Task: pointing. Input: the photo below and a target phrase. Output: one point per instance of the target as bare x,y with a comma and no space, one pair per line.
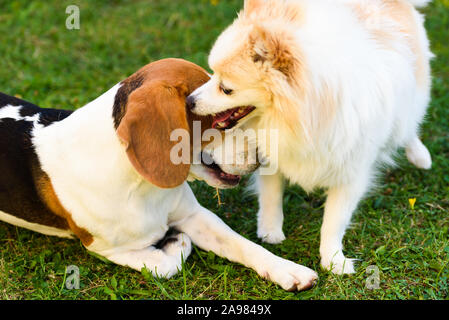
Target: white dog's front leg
210,233
270,217
340,204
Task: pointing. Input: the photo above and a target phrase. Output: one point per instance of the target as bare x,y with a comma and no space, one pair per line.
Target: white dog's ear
274,48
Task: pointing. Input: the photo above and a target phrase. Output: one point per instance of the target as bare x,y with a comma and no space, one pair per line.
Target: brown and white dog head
149,106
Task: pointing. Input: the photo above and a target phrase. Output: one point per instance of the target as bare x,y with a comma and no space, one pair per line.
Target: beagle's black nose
191,102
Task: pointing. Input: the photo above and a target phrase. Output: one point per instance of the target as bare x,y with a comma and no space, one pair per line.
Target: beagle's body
20,202
102,174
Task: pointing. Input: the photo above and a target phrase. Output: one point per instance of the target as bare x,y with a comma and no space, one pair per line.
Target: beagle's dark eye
226,91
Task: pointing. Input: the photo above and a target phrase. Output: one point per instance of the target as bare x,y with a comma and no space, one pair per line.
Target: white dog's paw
419,155
338,264
291,276
272,236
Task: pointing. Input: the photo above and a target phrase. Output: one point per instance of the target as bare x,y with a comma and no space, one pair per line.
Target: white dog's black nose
191,103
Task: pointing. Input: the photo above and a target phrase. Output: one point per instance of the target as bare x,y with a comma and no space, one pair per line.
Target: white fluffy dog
345,82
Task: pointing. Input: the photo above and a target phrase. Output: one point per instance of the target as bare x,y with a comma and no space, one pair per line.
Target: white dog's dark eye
226,91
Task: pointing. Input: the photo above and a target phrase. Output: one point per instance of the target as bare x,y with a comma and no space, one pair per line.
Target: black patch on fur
169,237
121,97
47,116
20,167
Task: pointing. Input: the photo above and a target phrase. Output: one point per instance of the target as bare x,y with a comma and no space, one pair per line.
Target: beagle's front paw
179,246
291,276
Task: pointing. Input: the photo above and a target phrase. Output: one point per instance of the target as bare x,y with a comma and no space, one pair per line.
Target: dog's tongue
222,117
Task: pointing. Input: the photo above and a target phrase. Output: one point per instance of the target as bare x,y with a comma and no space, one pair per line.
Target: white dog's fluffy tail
420,3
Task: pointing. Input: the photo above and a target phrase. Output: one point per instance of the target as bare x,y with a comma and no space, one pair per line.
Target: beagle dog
103,174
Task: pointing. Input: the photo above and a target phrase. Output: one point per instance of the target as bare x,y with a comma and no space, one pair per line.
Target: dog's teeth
222,124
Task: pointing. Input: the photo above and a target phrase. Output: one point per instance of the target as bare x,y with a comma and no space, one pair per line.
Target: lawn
44,62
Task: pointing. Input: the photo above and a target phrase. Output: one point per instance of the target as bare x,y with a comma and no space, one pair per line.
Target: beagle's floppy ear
153,111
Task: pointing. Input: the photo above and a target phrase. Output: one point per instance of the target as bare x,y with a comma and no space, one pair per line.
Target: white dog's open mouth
229,118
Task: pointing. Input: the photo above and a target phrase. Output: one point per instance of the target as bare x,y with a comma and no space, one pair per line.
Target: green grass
43,62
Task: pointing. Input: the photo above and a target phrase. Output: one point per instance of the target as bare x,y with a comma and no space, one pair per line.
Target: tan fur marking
49,197
270,10
252,5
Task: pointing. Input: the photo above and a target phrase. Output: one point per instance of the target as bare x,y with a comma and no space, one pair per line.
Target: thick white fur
126,215
351,102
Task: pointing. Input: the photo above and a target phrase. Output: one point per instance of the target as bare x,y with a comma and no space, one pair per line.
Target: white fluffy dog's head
257,67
